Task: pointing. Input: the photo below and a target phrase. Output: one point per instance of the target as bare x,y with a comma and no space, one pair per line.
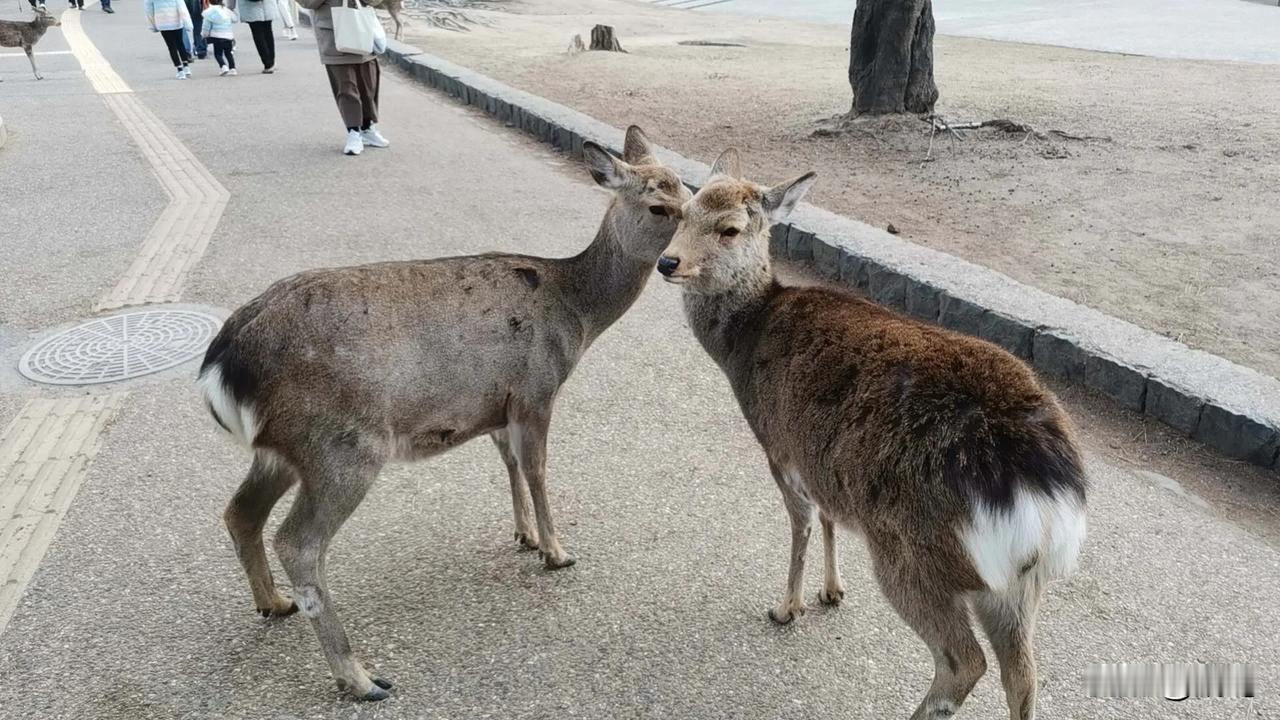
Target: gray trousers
355,89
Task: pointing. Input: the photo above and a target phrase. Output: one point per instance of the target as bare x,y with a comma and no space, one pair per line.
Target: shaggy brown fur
943,451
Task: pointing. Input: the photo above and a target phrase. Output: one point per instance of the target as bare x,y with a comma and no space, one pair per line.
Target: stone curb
1226,406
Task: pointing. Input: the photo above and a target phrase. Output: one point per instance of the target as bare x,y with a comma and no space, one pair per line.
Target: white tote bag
354,28
379,36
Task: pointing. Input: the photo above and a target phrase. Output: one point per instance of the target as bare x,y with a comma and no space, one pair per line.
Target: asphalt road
139,609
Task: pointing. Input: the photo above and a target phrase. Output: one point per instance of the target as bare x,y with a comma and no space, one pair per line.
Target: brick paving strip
1219,403
196,198
44,455
45,452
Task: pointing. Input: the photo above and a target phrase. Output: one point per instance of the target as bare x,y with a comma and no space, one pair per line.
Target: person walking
171,19
195,8
106,6
354,79
287,11
220,30
258,14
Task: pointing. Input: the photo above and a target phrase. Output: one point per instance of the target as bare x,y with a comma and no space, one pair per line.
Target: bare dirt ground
1173,223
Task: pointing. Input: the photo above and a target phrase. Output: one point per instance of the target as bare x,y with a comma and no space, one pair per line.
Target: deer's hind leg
268,480
1009,619
526,531
333,484
940,616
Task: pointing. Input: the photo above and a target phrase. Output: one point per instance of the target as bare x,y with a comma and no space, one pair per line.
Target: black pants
265,42
177,51
222,52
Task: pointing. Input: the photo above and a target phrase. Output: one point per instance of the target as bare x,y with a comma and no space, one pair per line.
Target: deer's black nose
668,265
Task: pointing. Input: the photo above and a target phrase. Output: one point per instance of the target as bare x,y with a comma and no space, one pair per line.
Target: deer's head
44,18
647,194
723,236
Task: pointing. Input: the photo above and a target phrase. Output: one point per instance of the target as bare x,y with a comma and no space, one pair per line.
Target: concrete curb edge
1231,408
4,133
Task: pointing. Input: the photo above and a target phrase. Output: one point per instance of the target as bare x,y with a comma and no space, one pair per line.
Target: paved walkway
1244,30
137,609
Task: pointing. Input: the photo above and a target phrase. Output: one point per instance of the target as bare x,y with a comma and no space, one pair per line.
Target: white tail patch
1000,544
236,418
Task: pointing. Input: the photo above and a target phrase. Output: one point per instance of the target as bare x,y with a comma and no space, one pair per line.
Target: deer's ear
728,164
637,150
608,171
780,200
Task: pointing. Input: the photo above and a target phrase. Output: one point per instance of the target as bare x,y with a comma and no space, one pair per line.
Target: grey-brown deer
943,451
331,374
15,33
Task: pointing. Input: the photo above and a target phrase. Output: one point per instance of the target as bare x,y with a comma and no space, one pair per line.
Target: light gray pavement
1244,30
139,610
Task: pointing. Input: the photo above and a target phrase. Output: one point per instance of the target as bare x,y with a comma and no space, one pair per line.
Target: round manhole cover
119,347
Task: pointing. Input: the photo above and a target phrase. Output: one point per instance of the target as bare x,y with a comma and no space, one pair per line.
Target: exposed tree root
447,14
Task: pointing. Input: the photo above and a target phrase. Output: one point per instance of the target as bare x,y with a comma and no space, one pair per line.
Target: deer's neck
728,324
607,277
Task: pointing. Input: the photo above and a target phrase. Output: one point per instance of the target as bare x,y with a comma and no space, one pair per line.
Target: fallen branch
1009,126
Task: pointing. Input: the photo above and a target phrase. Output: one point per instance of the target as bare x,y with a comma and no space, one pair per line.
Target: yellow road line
105,80
180,235
196,199
44,454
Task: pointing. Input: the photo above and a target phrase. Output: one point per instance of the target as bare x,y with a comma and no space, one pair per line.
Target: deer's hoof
274,612
377,692
557,564
830,598
526,542
382,683
782,617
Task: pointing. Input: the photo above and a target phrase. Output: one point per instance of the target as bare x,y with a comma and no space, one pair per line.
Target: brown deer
943,451
331,374
14,33
393,8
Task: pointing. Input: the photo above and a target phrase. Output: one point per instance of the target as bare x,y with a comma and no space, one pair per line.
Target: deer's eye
658,210
730,232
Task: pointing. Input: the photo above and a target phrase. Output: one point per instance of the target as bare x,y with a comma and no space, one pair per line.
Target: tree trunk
891,57
602,39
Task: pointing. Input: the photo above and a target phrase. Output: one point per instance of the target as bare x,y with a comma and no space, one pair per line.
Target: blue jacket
219,23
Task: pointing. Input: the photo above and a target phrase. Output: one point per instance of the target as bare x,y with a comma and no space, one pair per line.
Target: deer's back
427,352
893,422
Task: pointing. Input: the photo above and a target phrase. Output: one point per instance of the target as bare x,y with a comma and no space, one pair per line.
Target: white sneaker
222,70
186,70
182,74
232,72
373,138
354,144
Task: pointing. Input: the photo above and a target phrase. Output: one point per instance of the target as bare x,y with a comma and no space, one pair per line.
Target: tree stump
602,38
891,57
